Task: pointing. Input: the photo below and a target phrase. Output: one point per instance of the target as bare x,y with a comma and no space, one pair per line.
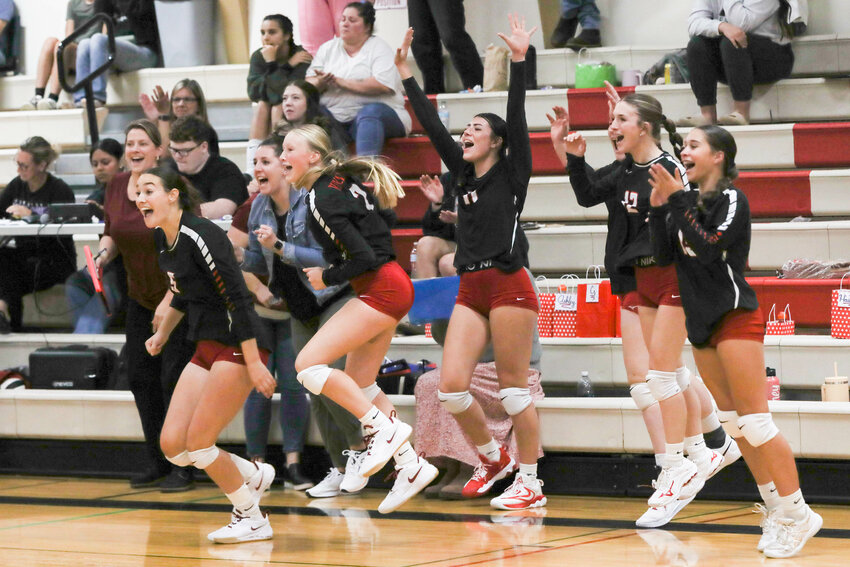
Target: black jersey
629,185
207,283
709,243
352,228
488,229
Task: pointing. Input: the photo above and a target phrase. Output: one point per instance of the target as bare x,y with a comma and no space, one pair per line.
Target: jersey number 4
358,192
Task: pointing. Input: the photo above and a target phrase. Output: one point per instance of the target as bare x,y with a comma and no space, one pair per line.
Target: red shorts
387,289
630,301
738,324
208,353
485,290
658,285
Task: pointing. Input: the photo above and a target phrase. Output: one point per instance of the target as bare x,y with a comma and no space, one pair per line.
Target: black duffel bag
73,367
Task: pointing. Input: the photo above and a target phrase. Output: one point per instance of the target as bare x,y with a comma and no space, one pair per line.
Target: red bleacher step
823,144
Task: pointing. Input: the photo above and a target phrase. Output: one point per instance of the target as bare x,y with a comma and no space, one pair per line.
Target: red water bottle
772,384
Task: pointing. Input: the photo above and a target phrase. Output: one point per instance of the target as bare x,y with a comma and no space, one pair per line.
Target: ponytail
675,138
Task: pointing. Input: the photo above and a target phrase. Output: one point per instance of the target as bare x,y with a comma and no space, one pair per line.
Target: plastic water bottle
772,383
585,386
413,261
443,112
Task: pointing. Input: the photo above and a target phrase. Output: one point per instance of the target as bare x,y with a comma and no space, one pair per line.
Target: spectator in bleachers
573,13
708,239
152,379
221,184
302,105
36,262
8,23
443,20
739,44
47,71
140,53
87,310
319,21
359,84
435,251
277,63
187,99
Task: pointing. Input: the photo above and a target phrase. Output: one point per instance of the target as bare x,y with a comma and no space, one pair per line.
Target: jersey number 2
358,192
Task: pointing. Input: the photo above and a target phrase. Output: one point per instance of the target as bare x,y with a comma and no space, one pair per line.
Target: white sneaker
523,493
383,444
706,469
243,528
409,481
47,104
668,486
261,480
730,451
658,516
31,104
329,486
791,536
353,480
768,526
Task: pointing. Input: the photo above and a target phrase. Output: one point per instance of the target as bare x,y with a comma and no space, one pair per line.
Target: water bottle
585,386
413,261
443,112
772,383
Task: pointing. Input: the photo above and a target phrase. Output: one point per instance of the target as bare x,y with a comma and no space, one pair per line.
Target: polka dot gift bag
839,312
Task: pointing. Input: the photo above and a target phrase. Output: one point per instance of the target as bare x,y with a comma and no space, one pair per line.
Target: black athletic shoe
179,480
295,479
563,32
148,478
587,38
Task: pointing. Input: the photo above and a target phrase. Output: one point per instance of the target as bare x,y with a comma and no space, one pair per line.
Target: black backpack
678,61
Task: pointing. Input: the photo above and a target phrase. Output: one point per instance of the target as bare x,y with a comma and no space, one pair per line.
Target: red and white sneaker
383,444
668,486
487,473
523,493
706,469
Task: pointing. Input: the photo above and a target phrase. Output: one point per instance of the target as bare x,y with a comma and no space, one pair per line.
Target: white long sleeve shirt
758,17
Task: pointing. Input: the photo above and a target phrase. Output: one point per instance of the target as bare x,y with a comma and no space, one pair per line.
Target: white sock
696,449
405,455
710,422
375,419
528,471
489,451
246,467
769,495
659,459
794,506
250,151
243,500
675,453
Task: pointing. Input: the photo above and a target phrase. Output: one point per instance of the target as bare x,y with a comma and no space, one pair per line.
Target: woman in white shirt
360,86
739,43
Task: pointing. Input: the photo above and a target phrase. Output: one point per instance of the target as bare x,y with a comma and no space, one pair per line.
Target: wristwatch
278,245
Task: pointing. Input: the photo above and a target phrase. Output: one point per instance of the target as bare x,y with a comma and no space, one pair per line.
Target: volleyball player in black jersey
209,290
353,226
490,169
636,128
709,241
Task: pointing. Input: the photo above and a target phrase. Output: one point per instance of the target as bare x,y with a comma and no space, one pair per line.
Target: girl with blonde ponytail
353,226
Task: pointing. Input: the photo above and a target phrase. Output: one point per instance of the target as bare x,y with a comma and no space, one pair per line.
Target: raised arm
518,142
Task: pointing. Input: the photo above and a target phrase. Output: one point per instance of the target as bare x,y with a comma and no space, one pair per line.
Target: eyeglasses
21,166
186,99
183,152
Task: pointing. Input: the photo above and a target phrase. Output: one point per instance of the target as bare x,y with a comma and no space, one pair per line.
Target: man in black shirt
221,184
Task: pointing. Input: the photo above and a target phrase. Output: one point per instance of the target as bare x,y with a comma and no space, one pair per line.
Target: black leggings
713,59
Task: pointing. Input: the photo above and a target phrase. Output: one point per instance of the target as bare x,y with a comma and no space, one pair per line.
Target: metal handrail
85,82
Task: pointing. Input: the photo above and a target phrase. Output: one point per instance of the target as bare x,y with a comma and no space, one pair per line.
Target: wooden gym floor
63,522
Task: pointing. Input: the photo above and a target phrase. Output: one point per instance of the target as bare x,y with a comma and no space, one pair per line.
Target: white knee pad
371,391
758,428
729,423
515,400
314,378
663,385
642,395
202,458
181,459
683,377
455,402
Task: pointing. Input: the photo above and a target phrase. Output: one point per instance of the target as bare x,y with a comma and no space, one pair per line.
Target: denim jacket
300,249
